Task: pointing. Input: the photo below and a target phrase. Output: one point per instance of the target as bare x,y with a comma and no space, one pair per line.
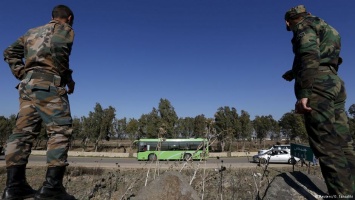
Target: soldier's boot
16,184
53,186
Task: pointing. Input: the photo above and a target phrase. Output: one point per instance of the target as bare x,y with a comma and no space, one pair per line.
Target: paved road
235,162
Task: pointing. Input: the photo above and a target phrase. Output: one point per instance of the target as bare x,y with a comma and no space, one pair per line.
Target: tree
77,127
199,126
98,124
352,127
168,117
132,130
210,127
227,125
4,133
92,123
42,136
11,123
119,127
6,126
185,127
149,124
352,120
106,128
246,127
275,129
263,125
292,126
352,110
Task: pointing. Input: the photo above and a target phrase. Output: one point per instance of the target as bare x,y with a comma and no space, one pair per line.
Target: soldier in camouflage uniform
46,79
321,96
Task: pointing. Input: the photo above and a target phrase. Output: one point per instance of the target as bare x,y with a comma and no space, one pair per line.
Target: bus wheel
187,156
152,157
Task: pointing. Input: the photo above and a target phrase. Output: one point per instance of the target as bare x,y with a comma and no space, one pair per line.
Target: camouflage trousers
329,136
42,99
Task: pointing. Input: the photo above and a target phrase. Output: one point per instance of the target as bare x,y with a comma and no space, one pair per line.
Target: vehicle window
281,146
151,146
142,147
174,146
194,145
164,146
184,146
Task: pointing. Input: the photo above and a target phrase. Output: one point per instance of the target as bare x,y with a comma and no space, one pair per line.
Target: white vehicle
276,156
279,147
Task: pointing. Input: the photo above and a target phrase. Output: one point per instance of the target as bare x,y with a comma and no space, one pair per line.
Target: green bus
172,149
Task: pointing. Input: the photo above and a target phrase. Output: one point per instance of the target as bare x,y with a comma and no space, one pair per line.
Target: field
211,184
222,182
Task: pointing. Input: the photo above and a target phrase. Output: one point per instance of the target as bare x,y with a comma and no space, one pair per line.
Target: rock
295,185
170,185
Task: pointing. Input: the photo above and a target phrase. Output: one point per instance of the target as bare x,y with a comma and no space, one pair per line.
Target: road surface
102,162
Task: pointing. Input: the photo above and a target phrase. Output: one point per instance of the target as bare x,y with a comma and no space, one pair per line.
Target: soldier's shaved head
63,12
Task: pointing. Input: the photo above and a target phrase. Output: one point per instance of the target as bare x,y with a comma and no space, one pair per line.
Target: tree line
226,127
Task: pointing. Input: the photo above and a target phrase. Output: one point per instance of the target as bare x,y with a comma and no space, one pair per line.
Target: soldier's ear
340,60
288,26
70,20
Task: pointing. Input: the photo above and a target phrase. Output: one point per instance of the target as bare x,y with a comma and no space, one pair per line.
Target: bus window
174,146
194,145
151,146
142,147
184,146
164,146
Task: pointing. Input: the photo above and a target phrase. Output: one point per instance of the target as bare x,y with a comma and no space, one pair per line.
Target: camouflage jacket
46,48
315,43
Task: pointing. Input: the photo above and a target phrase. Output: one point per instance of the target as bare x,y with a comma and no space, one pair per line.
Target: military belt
42,76
327,68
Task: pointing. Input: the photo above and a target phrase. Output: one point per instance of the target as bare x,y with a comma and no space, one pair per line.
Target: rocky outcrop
295,185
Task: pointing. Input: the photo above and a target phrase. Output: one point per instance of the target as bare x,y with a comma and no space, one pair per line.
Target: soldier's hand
71,86
301,106
288,76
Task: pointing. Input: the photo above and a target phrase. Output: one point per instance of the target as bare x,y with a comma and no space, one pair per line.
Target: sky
198,54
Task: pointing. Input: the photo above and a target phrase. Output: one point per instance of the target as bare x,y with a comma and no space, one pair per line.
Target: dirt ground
210,184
